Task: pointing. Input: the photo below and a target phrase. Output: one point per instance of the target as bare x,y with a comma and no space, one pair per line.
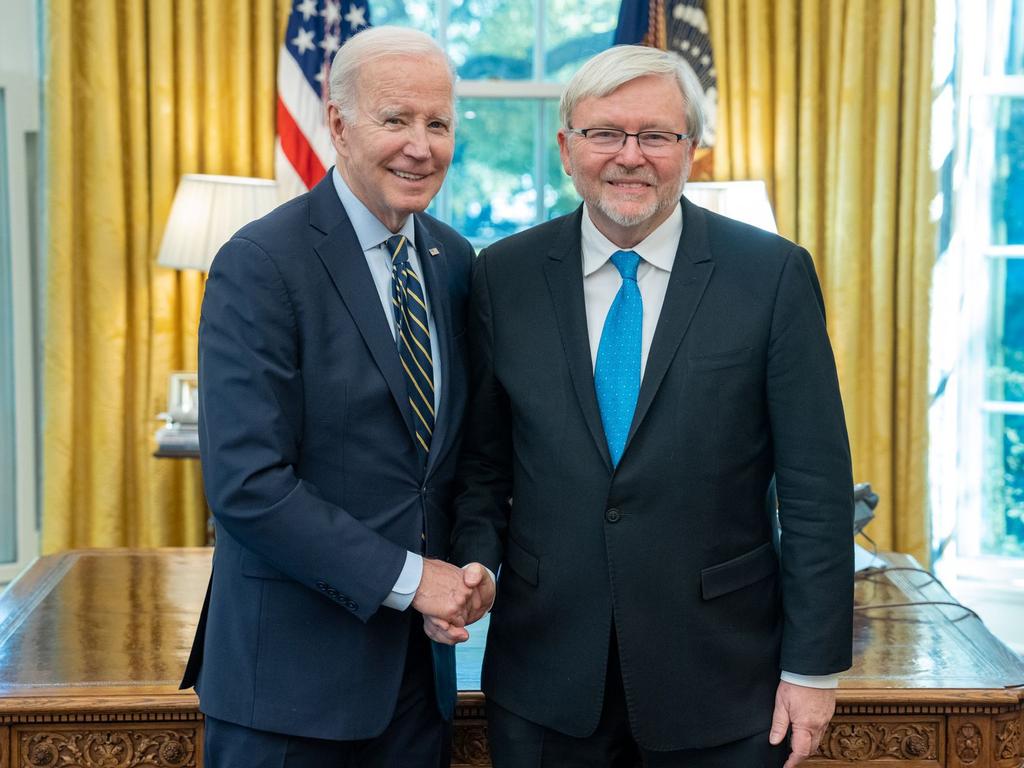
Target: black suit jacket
673,547
312,474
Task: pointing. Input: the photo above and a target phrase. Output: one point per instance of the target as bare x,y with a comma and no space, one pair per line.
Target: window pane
491,189
492,38
1008,172
559,193
1005,369
469,656
1003,517
8,507
1006,38
573,32
418,14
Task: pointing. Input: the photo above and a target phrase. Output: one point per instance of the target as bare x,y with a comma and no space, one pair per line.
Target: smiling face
628,194
395,152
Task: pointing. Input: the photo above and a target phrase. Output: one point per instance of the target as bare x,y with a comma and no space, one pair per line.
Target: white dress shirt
372,236
601,281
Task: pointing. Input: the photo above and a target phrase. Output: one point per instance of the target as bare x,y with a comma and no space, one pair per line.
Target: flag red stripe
297,149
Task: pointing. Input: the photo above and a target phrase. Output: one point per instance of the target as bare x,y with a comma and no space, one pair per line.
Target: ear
338,128
563,151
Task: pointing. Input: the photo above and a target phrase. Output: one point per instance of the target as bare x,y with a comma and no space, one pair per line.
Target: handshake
452,598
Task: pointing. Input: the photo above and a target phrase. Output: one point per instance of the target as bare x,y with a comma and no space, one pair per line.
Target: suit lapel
564,272
342,257
691,272
435,275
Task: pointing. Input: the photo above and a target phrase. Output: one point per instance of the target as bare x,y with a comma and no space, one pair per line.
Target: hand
440,631
443,593
807,711
476,577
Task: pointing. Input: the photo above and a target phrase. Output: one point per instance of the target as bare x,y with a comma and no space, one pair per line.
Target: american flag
316,30
680,26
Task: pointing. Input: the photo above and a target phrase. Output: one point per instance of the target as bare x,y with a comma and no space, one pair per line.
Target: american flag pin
434,251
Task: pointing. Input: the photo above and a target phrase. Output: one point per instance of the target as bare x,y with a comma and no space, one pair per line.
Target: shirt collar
658,248
368,228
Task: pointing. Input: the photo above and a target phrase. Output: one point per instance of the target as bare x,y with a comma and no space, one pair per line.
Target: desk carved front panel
911,741
108,745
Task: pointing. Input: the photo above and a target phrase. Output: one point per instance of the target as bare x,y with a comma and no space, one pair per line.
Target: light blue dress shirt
372,235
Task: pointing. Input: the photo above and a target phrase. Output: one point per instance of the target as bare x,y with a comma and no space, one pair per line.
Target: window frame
537,88
965,275
21,112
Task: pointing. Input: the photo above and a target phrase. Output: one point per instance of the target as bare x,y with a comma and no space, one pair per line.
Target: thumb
780,724
474,574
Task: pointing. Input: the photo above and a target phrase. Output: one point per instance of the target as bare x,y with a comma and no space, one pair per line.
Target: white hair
372,44
619,65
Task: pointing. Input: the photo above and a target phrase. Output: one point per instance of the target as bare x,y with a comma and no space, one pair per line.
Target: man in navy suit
641,369
332,388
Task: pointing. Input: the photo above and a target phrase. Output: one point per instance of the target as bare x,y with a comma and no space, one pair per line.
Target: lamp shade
745,201
206,211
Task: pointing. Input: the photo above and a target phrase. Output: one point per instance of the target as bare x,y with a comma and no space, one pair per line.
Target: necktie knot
627,263
397,247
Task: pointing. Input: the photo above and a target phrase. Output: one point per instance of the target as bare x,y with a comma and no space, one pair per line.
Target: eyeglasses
611,140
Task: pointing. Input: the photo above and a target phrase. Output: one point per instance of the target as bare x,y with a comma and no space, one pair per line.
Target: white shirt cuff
811,681
408,582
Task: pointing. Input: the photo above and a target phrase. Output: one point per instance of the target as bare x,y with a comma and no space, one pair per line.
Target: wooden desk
92,644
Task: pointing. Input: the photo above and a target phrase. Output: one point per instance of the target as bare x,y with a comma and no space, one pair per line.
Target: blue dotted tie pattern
617,371
413,341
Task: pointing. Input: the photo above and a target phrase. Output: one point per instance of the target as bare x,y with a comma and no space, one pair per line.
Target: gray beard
634,219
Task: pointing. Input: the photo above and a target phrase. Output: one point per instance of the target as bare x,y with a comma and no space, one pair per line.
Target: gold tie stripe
412,325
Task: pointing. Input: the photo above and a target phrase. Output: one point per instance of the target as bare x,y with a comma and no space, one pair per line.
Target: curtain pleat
137,94
830,104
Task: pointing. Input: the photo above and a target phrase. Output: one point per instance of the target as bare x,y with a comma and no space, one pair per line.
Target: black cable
869,573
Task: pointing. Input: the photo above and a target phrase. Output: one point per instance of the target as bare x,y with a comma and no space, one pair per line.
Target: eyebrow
386,112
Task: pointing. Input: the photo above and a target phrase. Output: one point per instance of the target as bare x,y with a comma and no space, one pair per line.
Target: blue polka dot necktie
412,329
617,371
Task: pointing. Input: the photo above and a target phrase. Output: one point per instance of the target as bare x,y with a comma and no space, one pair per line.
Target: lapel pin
434,251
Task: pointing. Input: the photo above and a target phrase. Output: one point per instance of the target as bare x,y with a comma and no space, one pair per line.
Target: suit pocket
258,568
527,566
721,359
738,572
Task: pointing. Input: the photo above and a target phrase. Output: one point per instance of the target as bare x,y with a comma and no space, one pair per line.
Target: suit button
351,605
322,586
612,515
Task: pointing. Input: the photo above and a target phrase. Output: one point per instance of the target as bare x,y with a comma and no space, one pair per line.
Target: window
513,58
19,100
977,369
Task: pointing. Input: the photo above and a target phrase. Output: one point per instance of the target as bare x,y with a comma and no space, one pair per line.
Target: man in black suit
640,370
332,389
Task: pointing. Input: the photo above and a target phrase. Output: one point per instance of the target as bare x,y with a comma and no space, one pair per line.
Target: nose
631,155
417,143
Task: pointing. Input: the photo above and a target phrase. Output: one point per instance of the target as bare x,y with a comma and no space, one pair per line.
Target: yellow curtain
137,93
830,104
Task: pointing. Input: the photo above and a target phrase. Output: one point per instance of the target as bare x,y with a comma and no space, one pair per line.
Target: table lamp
745,201
206,212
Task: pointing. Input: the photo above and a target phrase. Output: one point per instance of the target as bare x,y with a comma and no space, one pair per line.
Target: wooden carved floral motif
873,741
968,743
109,749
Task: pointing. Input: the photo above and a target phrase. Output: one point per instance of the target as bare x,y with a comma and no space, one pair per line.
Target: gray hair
619,65
372,44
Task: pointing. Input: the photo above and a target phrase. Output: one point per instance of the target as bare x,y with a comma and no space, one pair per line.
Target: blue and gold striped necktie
413,333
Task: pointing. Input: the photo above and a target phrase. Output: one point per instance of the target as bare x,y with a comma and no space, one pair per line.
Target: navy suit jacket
312,474
673,546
